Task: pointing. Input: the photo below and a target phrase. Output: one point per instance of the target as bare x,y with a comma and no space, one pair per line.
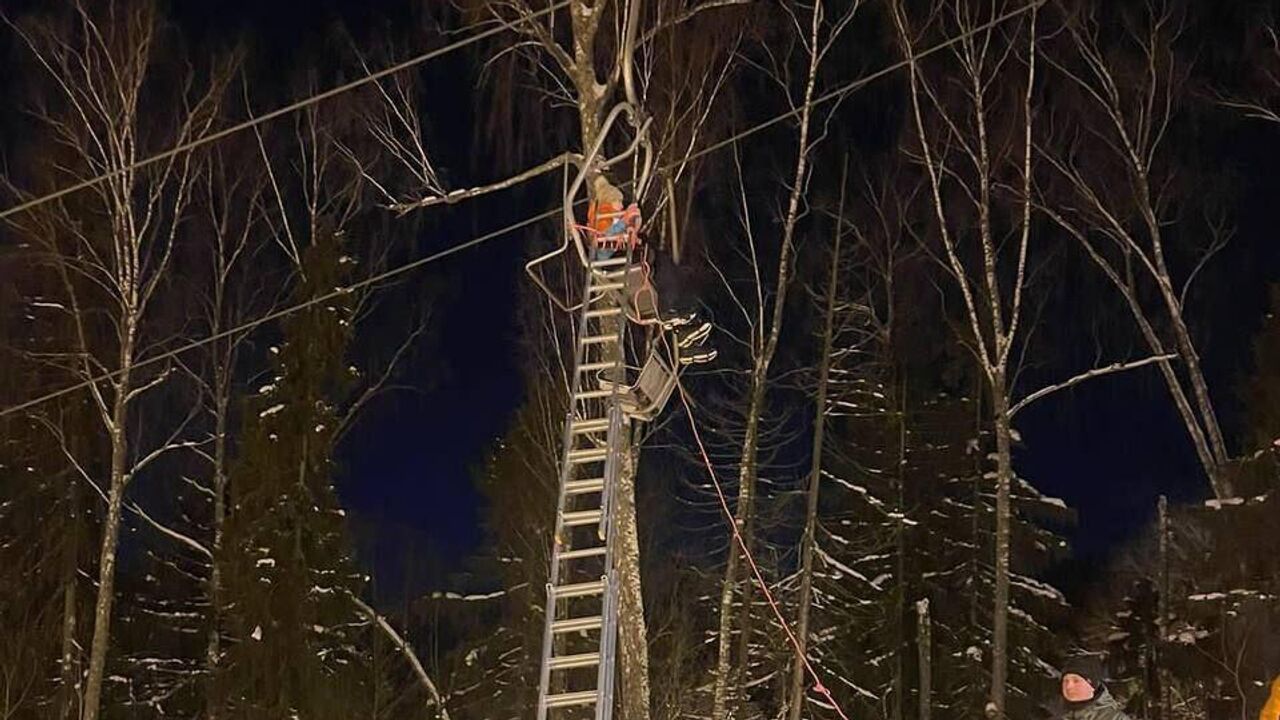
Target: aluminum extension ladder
580,638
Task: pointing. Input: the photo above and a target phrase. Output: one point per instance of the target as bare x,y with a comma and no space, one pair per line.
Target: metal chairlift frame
572,231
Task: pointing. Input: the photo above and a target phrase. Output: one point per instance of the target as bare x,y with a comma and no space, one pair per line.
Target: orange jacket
601,216
1271,711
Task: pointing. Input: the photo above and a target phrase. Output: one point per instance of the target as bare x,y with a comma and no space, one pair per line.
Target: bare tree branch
1089,375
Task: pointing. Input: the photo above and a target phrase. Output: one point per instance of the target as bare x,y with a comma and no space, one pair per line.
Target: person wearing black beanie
1084,694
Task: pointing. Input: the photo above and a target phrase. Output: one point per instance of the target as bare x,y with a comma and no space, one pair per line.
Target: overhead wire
285,311
857,84
279,112
414,264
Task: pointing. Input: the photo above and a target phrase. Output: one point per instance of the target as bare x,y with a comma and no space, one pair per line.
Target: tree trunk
110,528
746,488
107,562
69,665
924,651
1182,335
590,91
900,606
900,542
213,650
1162,614
1000,605
1181,402
632,631
748,587
633,641
807,542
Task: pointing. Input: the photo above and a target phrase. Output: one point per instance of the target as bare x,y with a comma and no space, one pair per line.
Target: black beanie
1088,667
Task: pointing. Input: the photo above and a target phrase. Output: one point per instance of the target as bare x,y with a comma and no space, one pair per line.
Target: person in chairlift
651,297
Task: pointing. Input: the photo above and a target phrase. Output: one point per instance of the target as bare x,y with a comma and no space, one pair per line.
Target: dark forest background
1023,285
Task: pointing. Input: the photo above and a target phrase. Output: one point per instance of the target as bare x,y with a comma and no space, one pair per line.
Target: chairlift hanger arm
623,69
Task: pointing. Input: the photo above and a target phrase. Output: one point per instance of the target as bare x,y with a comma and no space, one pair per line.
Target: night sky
406,466
1108,448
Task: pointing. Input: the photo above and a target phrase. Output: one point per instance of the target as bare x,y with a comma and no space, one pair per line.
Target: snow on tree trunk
924,653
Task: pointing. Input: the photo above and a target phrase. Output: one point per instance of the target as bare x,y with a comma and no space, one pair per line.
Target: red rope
755,569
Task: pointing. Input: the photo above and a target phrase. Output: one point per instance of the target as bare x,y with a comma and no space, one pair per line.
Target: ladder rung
569,662
577,518
590,425
613,311
574,590
582,487
577,624
593,394
602,365
614,261
570,699
598,339
583,553
588,455
607,286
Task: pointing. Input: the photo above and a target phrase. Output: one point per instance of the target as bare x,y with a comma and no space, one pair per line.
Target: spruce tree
295,636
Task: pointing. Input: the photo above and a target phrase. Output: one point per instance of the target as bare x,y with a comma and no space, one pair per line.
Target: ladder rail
592,457
608,643
565,477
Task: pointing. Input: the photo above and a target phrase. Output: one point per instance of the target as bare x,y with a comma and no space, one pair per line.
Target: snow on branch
184,539
474,597
403,208
1088,375
409,654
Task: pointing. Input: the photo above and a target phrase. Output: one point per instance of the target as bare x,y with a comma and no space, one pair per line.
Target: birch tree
993,318
976,141
114,248
815,473
796,73
853,542
1128,90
